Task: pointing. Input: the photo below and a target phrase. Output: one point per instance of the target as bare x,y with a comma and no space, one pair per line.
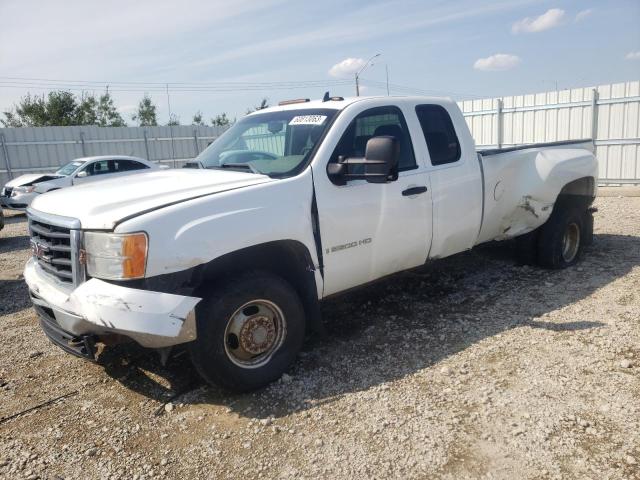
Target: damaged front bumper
17,201
75,319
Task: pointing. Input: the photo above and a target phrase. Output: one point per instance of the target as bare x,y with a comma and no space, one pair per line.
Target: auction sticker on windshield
308,120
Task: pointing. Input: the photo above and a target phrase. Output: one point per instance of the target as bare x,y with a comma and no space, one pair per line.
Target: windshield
69,168
274,143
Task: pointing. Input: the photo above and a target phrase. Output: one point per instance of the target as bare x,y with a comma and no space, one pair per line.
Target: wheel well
580,192
288,259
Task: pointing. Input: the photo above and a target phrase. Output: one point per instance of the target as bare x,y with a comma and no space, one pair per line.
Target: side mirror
381,159
380,163
82,174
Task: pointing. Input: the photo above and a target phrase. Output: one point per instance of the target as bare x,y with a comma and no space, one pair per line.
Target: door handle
413,191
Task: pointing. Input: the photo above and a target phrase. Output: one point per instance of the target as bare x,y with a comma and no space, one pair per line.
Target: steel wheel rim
570,242
254,332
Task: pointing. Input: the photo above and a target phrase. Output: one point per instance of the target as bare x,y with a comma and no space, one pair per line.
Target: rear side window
128,165
439,134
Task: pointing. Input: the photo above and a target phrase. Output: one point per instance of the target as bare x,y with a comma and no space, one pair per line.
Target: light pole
366,64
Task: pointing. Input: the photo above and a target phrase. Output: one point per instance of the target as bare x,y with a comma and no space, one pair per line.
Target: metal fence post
84,147
594,116
195,140
5,152
500,122
146,144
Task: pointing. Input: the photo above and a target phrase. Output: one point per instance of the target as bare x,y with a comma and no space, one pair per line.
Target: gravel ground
472,367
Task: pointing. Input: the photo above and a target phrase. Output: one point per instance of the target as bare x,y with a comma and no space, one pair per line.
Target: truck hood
101,205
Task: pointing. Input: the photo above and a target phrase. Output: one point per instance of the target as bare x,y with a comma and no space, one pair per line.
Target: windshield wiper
245,166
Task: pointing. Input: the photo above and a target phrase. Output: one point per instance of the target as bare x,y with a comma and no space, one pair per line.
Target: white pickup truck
293,204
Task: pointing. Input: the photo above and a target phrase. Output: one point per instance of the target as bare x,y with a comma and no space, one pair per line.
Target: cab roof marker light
291,102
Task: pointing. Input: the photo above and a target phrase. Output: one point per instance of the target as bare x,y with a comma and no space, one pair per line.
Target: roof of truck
346,101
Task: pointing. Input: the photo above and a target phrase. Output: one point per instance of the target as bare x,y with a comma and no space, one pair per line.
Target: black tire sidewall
551,237
212,314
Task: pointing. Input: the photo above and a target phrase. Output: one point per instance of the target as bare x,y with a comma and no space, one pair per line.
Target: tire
562,237
249,332
527,248
587,223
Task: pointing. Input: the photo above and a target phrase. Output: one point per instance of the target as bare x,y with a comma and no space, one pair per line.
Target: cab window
371,123
439,133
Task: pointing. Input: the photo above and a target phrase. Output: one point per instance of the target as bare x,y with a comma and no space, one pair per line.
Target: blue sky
460,48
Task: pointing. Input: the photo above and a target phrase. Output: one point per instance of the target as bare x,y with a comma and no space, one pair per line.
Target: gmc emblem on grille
38,249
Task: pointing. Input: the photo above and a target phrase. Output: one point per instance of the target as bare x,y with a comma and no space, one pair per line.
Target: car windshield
69,168
272,143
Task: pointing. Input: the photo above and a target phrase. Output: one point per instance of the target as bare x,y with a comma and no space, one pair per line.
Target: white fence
609,114
44,149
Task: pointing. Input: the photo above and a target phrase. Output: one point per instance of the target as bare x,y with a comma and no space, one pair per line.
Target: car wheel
249,331
561,237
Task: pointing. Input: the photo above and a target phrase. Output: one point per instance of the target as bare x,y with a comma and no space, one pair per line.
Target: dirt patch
472,367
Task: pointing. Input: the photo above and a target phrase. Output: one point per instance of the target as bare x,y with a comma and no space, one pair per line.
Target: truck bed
521,184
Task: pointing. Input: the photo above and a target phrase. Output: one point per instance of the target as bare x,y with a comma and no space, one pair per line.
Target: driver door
370,230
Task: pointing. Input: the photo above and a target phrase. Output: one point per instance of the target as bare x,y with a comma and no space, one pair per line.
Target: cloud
583,14
373,21
347,67
633,55
550,19
497,62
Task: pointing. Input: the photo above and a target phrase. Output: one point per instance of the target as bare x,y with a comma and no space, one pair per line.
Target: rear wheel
562,237
249,332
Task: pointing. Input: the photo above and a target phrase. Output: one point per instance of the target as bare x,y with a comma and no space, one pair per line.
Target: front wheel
249,332
562,237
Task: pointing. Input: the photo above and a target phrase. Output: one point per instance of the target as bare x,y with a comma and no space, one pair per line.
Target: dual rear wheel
559,242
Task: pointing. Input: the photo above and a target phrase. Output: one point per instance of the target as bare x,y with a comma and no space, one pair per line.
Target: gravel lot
472,367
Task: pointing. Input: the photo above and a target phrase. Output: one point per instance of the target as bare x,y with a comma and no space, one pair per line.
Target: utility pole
367,63
386,67
173,149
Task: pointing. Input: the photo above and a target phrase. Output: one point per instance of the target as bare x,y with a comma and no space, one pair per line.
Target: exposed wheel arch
581,191
289,259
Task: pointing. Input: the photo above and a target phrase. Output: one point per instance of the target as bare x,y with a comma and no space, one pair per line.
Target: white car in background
19,192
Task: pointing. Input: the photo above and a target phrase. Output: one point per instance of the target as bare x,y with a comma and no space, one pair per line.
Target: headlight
116,256
27,189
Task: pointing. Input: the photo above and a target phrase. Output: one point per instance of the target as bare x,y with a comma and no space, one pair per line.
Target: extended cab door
370,230
456,179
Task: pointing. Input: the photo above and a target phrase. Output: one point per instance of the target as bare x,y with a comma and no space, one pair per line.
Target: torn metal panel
525,217
129,310
153,319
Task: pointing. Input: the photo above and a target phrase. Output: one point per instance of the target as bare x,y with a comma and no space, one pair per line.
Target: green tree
62,108
221,120
197,119
146,114
87,110
59,108
173,120
107,113
29,112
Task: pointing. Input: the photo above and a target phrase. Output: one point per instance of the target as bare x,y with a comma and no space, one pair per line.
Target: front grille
53,249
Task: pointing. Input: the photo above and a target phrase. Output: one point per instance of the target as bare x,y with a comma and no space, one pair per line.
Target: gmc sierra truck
291,205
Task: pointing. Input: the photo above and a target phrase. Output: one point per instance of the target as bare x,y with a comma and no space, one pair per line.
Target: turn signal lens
114,256
134,252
